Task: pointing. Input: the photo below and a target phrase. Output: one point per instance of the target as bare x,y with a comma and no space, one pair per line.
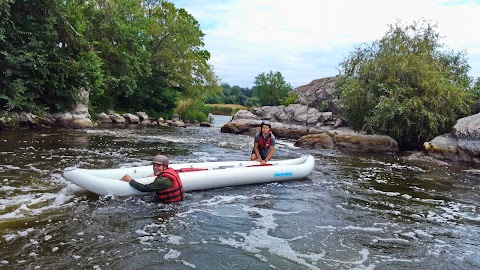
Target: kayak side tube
195,176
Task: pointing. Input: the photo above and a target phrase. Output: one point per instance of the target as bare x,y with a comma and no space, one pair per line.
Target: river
355,211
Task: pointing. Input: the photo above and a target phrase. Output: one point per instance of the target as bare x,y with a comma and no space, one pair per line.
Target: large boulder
293,114
317,93
116,118
316,141
462,145
77,117
81,123
349,140
103,118
468,127
244,114
176,122
289,131
143,116
444,147
144,119
80,109
352,141
241,126
131,118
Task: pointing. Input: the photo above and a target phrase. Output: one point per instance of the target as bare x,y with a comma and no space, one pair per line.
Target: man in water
167,185
263,144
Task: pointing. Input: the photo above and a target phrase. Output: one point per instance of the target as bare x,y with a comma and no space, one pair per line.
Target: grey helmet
266,123
160,159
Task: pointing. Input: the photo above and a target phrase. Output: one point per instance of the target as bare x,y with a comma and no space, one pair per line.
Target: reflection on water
355,211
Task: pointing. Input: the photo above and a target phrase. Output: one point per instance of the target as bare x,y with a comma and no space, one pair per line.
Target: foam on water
352,213
396,166
286,144
172,254
260,239
204,157
349,227
4,167
174,239
28,203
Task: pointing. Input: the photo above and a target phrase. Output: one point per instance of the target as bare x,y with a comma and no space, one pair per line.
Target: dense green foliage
271,88
230,95
130,55
476,96
289,99
41,68
405,85
193,110
252,102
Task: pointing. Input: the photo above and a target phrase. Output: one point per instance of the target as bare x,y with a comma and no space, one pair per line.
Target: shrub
289,99
190,110
405,86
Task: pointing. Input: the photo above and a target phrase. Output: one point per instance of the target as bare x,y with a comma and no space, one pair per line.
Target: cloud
306,40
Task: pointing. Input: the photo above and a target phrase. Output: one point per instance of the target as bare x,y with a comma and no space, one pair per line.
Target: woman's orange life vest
176,192
265,145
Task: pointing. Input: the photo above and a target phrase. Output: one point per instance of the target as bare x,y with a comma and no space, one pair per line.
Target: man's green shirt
160,183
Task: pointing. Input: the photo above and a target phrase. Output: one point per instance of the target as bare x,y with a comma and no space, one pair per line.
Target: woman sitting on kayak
263,144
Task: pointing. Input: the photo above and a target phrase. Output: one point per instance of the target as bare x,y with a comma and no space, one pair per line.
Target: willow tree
406,85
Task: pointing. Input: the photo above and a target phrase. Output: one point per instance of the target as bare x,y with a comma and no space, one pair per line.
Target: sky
306,40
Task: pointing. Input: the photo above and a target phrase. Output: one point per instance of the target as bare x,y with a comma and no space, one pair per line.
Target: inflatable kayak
195,176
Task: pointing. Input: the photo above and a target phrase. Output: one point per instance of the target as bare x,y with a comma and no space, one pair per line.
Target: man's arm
270,154
272,149
160,183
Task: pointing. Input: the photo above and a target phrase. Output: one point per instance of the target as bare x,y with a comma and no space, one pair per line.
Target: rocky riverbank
312,128
81,119
313,121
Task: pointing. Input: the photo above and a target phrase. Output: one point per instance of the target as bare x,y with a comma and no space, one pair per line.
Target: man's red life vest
265,145
176,192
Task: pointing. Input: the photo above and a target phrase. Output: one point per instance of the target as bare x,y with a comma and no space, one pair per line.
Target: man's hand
127,178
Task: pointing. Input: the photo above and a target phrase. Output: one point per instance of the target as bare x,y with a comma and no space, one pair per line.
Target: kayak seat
256,165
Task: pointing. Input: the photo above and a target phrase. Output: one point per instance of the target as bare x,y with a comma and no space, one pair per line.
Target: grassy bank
225,109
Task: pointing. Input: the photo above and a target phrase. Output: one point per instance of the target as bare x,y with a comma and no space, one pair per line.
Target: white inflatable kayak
195,176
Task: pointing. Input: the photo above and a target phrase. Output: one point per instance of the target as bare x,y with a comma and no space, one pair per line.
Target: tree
406,85
230,95
116,30
44,63
252,102
476,96
128,54
271,88
179,64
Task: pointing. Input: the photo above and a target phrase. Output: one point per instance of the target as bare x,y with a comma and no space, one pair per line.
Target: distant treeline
269,89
